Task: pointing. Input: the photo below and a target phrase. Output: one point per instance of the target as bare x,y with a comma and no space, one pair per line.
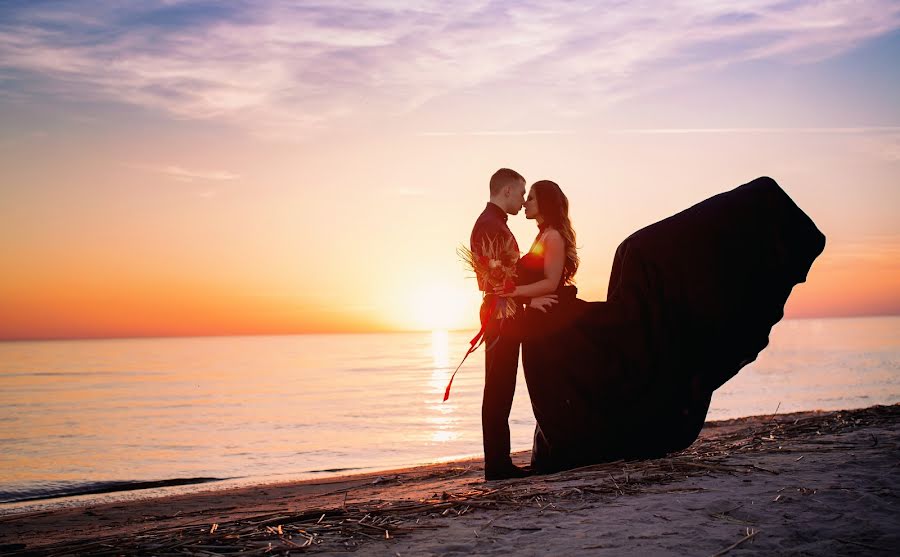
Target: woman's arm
554,260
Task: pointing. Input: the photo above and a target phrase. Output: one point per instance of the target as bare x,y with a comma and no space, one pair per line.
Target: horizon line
367,332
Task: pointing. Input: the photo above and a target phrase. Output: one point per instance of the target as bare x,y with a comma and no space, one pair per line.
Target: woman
691,300
554,351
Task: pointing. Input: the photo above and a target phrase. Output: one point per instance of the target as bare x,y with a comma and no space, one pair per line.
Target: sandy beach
815,483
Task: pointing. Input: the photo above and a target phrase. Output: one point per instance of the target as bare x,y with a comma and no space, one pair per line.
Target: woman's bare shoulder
553,235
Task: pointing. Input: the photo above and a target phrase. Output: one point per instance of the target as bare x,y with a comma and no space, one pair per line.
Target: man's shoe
507,472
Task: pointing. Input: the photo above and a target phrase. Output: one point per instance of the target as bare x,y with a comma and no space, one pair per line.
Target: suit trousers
501,365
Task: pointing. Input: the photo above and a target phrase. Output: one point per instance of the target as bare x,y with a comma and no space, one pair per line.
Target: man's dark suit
501,360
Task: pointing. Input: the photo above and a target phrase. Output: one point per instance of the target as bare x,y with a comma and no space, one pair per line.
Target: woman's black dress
691,301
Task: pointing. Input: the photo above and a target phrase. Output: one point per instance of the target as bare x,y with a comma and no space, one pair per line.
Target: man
501,341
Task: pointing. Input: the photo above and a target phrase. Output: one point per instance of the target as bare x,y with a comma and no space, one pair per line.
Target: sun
441,307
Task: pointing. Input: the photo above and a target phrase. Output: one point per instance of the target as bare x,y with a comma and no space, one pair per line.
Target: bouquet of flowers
494,266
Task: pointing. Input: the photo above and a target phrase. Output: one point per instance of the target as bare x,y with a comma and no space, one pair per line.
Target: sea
87,421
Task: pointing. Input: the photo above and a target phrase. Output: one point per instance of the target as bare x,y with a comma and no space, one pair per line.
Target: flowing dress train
691,301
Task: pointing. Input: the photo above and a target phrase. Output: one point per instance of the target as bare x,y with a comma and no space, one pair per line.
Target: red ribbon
476,341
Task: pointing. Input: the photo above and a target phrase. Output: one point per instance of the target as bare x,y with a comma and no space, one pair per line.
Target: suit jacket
491,223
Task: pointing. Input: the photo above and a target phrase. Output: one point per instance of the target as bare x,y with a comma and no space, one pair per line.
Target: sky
191,168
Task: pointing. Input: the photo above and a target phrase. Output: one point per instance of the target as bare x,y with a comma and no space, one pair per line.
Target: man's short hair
503,178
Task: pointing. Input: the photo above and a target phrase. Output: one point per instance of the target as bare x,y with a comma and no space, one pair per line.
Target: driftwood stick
749,535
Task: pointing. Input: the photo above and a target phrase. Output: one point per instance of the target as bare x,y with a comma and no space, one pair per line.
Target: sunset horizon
473,326
181,169
386,278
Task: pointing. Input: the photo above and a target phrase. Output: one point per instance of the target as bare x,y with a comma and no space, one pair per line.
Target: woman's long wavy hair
553,205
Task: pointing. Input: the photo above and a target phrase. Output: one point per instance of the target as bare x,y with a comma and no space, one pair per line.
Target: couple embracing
691,300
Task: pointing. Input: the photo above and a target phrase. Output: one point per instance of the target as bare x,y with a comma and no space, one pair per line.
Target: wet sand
808,483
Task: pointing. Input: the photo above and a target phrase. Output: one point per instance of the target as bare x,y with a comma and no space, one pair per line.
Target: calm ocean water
108,415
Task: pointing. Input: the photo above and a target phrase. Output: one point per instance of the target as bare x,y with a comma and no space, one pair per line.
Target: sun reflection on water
442,423
440,366
440,349
444,426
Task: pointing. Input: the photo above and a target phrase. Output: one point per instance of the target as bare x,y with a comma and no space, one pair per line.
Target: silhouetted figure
691,301
502,339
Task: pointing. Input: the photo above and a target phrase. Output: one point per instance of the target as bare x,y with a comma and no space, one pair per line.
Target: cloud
879,142
406,192
489,133
23,138
884,248
840,131
890,152
184,174
279,68
884,147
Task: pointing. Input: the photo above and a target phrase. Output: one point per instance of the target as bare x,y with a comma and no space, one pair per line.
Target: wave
36,491
332,470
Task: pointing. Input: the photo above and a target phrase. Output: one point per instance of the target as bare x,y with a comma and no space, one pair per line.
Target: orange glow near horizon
42,309
442,307
849,285
224,185
66,292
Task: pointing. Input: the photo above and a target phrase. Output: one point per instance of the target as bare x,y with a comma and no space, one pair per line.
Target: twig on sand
760,468
615,484
772,419
491,521
750,534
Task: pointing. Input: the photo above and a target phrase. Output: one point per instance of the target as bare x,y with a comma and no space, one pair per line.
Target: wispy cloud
490,133
185,175
282,68
811,130
22,138
889,151
872,247
884,147
406,192
879,142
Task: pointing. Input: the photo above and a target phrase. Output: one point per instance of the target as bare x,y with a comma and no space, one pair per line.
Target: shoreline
137,491
102,492
421,510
